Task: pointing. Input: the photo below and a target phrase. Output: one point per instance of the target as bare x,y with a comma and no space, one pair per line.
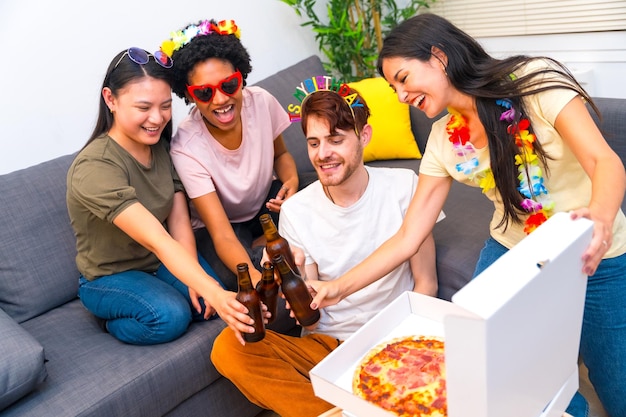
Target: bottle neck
284,268
243,277
270,233
268,275
269,228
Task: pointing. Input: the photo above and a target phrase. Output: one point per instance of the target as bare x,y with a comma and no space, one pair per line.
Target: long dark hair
121,71
202,47
472,71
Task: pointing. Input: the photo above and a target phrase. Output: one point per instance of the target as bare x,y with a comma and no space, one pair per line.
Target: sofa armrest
21,361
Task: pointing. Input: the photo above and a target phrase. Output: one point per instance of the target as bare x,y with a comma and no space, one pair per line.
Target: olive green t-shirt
103,181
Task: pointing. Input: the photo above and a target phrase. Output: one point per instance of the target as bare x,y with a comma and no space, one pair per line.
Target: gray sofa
55,360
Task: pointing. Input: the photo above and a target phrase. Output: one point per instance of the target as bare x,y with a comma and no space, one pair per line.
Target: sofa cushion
459,238
392,137
21,361
38,271
93,374
282,85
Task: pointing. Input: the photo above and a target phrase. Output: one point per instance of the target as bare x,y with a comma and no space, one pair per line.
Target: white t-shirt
241,177
338,238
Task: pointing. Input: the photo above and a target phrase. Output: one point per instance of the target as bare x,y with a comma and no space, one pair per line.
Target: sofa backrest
282,85
37,245
613,123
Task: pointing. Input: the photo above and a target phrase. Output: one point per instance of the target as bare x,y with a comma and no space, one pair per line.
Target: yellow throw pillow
392,137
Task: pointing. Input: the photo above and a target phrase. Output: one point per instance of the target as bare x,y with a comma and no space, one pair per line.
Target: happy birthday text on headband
321,83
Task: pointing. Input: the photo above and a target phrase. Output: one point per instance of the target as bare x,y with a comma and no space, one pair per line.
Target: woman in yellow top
519,129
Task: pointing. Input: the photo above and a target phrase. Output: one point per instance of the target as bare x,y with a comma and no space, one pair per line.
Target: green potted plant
352,33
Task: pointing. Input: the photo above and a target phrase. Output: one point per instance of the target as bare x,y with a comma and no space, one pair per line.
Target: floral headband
183,37
322,83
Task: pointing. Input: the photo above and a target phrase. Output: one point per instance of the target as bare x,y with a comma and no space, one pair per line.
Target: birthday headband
322,83
182,37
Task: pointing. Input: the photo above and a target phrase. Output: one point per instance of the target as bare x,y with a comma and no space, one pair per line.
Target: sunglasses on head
204,93
141,57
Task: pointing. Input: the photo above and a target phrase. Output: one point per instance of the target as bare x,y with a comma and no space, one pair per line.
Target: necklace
327,190
536,200
328,194
465,153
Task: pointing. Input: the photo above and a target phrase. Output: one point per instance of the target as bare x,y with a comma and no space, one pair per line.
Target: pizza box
511,334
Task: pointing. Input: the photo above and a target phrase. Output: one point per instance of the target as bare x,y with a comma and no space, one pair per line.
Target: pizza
406,376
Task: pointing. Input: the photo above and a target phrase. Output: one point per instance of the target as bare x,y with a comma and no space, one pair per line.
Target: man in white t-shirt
335,222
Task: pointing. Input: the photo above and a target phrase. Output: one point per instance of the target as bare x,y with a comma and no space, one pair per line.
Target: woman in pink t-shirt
229,151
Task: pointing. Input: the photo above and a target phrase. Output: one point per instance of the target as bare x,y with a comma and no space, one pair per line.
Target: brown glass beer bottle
296,292
275,242
248,296
268,289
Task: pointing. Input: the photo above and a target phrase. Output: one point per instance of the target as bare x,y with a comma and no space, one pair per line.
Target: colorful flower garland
183,37
536,200
463,149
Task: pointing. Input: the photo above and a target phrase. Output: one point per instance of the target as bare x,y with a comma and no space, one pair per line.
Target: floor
595,408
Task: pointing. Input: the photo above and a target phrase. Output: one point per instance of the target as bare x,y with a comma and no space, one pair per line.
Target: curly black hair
203,47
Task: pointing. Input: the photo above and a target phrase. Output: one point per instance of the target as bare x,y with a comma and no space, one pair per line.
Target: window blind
485,18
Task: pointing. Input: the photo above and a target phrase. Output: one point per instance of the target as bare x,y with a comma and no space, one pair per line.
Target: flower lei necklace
536,200
463,149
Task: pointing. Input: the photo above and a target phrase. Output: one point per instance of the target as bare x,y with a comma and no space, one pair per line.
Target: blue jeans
603,338
142,308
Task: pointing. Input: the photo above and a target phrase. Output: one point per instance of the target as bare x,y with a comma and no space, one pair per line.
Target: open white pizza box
511,334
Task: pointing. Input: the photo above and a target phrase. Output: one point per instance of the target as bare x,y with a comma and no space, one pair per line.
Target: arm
145,229
420,218
424,268
227,245
179,223
604,168
285,169
179,227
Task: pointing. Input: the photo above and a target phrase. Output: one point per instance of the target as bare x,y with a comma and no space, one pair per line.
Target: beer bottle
275,242
248,296
268,289
296,292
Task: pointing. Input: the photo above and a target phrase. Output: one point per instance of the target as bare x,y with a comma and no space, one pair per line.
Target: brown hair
330,106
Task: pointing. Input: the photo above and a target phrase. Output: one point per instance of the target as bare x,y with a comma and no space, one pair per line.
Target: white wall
597,59
55,53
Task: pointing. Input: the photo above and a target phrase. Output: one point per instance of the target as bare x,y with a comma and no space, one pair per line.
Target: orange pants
274,373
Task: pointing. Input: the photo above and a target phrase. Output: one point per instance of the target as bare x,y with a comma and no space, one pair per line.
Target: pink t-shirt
241,177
